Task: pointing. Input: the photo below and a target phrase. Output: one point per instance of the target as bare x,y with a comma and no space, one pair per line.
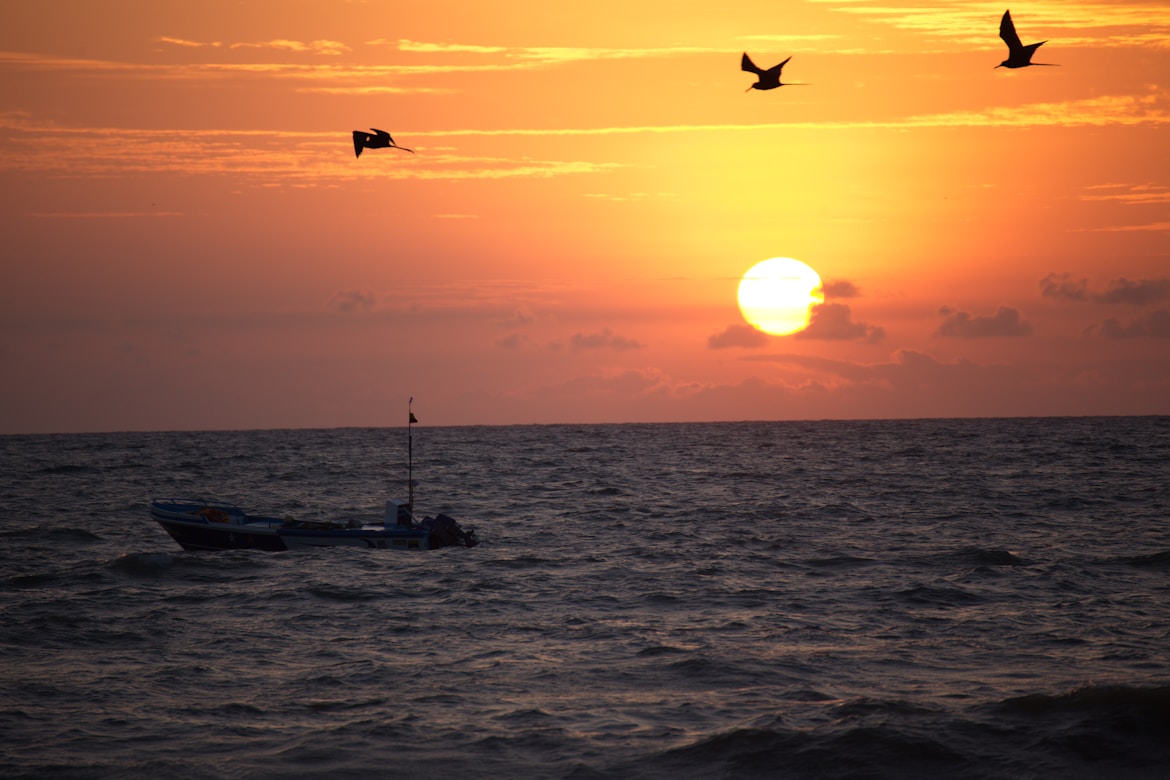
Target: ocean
882,599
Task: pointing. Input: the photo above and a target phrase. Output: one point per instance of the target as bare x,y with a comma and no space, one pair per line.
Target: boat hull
371,538
198,525
214,525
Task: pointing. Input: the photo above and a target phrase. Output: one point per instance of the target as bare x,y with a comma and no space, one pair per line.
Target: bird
767,79
379,139
1019,55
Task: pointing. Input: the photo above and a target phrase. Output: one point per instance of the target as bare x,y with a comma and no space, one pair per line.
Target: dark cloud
960,325
840,288
513,341
606,339
351,301
831,322
1155,326
1063,287
1139,293
737,336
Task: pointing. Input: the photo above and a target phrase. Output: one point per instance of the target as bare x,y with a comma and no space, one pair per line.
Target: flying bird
1019,55
379,139
766,79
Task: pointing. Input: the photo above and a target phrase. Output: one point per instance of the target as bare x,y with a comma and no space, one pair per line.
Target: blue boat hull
198,524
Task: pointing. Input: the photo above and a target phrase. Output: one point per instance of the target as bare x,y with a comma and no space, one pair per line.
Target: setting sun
777,295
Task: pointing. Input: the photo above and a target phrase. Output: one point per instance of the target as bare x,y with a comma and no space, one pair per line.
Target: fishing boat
209,524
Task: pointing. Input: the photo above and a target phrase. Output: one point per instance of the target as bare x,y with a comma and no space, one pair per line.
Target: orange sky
190,243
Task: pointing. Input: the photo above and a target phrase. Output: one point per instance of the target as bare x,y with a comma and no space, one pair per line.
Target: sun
777,295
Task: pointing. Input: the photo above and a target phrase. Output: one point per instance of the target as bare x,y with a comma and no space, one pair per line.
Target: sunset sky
190,243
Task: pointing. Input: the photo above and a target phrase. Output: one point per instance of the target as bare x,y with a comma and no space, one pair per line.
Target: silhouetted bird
1019,55
381,140
767,79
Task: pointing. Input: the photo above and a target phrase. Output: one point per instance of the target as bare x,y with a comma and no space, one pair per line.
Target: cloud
189,44
840,288
737,336
353,301
313,157
1091,24
101,214
331,48
1141,292
1154,326
1097,112
1149,227
606,339
831,322
526,55
438,48
513,341
1061,287
960,325
1130,194
1137,293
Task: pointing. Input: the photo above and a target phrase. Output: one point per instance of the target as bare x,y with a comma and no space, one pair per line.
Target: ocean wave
143,563
1160,560
1146,705
56,535
864,752
933,595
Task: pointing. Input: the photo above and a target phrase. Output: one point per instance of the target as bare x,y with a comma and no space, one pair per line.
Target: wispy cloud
186,44
1150,108
38,146
331,48
1155,227
552,54
321,75
102,214
50,150
974,23
1102,111
1130,194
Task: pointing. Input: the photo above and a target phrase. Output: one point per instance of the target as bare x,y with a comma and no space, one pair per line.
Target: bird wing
1007,31
359,142
777,68
747,64
383,134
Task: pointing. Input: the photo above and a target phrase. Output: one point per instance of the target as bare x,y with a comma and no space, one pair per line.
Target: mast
410,456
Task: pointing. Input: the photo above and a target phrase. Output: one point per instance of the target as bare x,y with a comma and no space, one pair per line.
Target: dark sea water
932,598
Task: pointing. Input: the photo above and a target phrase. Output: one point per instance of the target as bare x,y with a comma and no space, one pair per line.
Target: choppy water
969,598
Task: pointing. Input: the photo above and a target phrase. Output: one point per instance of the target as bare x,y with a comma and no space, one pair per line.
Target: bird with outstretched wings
1019,55
379,139
765,78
